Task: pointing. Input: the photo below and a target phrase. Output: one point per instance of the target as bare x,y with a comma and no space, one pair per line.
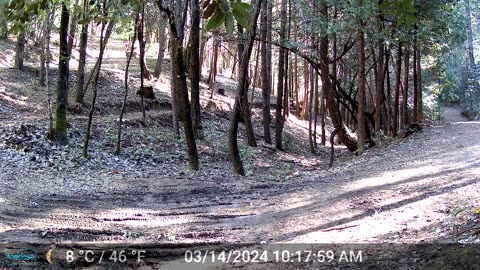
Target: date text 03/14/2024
275,256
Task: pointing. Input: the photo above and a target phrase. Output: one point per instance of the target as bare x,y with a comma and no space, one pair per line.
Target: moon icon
49,256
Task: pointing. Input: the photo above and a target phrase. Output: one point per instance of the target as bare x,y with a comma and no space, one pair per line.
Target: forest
164,124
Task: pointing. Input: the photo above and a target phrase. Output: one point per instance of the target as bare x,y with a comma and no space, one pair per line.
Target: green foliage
222,12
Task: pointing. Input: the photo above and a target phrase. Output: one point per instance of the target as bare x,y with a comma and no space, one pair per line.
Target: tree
241,89
61,135
195,68
176,22
361,129
279,119
266,69
80,93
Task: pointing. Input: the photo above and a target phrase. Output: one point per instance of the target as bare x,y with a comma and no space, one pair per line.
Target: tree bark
405,89
176,31
279,120
162,41
20,51
79,92
73,27
195,68
361,129
241,89
61,135
396,102
266,72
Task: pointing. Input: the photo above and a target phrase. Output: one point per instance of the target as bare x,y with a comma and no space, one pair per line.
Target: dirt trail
401,193
452,115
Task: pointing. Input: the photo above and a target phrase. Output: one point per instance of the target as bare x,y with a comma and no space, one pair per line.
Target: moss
61,125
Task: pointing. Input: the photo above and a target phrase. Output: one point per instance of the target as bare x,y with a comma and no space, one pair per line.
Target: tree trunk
266,72
471,57
143,67
329,93
20,51
418,65
213,66
73,27
173,88
80,93
405,89
195,68
125,95
241,89
162,40
362,128
396,102
279,120
145,73
184,107
379,82
61,135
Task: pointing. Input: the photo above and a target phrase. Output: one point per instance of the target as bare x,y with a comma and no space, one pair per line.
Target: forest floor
422,189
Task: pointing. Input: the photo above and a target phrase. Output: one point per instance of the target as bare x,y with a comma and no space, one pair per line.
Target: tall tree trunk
241,89
396,102
195,68
145,73
103,40
471,58
415,84
61,135
418,65
177,33
331,103
143,67
379,82
245,111
266,72
162,41
362,128
125,95
173,88
279,120
20,51
213,66
405,121
73,27
79,92
47,31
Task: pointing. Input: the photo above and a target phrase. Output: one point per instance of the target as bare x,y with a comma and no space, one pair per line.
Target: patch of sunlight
21,100
395,225
163,87
3,200
390,177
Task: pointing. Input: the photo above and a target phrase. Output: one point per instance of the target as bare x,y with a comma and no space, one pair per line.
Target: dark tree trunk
173,90
241,89
405,121
213,66
279,120
79,92
331,103
195,68
396,102
379,82
418,66
362,128
62,87
184,107
266,71
20,50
